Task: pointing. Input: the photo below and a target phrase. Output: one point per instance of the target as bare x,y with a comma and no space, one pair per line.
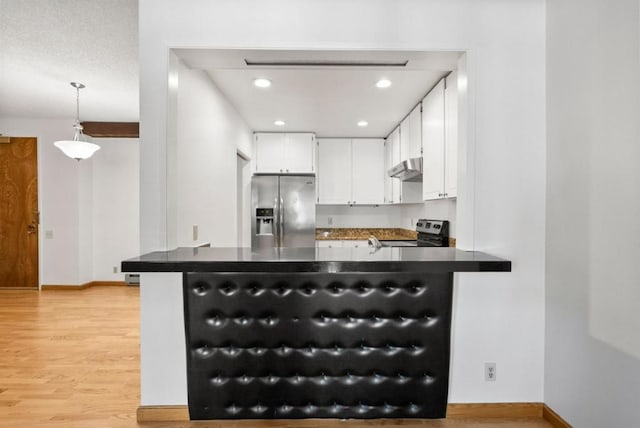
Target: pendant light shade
78,148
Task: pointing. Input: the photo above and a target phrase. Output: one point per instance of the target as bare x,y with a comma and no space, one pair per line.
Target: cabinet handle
354,202
281,170
287,170
439,195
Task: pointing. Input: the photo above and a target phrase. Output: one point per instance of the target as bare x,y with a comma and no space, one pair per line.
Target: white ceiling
327,100
44,45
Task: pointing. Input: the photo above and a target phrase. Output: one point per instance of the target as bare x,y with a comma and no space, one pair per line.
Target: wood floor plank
72,359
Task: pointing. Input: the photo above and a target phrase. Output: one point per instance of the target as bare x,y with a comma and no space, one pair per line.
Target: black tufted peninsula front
317,333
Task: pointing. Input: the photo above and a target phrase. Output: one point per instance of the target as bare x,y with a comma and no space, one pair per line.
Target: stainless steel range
431,233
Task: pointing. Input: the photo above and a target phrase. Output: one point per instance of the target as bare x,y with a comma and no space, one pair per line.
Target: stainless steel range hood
408,170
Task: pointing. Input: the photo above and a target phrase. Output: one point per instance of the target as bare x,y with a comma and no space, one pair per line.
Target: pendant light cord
78,104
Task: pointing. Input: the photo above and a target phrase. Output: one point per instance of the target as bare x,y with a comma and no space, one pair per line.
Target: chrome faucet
373,242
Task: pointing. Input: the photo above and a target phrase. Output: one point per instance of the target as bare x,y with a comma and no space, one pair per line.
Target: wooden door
18,212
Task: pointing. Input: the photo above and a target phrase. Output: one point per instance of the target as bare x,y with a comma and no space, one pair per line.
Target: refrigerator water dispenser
264,221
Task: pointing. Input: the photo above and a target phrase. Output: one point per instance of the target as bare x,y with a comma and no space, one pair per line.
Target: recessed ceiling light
262,83
383,83
363,123
279,123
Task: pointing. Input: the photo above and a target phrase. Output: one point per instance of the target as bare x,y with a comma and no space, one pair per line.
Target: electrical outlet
195,232
48,234
489,372
115,269
330,221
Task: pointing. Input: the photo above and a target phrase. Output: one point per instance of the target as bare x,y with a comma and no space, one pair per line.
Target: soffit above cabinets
330,95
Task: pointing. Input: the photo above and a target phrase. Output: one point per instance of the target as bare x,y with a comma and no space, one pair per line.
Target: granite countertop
383,234
332,260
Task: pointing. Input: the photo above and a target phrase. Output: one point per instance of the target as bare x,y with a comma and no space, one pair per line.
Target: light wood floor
71,359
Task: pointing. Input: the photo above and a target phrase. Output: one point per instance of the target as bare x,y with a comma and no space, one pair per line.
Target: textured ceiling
45,44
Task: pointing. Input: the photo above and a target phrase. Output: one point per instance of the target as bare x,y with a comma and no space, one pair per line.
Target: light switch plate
48,234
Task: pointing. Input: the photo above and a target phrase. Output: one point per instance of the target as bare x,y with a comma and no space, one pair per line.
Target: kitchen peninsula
286,333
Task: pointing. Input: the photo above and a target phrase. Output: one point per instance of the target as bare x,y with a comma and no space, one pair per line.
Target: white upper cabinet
411,135
334,171
284,153
451,136
388,181
401,192
394,138
367,173
350,171
433,143
268,152
405,139
298,153
440,140
415,130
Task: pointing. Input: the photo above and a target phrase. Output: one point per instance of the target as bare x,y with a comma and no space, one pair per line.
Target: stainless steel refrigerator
283,211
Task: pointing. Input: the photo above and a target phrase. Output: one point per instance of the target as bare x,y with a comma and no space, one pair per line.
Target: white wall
209,133
85,220
592,373
359,216
80,203
442,209
116,206
498,317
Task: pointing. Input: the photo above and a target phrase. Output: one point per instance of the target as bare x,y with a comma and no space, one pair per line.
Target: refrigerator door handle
276,222
281,212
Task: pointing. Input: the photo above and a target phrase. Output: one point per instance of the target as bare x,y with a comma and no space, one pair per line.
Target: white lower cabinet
329,244
355,244
347,243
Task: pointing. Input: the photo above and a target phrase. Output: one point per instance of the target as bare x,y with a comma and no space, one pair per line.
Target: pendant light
78,148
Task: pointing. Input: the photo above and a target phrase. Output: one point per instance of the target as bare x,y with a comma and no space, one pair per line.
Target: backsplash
386,216
335,216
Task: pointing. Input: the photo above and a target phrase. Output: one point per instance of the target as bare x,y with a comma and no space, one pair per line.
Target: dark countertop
413,259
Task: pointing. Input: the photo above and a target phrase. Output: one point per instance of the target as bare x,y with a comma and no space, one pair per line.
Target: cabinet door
451,136
329,244
355,243
433,143
405,139
298,153
268,149
395,159
367,173
388,181
415,131
334,171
